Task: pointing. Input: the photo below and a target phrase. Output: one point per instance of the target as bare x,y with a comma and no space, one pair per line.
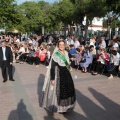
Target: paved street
97,97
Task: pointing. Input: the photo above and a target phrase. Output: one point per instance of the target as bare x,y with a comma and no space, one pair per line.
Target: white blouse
60,61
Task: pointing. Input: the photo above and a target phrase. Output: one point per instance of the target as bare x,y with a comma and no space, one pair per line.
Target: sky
21,1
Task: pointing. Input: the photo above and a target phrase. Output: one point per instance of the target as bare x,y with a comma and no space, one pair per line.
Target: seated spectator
72,50
101,61
43,52
86,60
30,56
36,59
20,51
23,56
116,49
75,61
112,67
48,54
76,43
82,49
93,50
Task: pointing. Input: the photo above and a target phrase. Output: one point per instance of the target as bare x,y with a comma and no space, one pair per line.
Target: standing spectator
52,47
102,43
70,41
77,43
107,40
0,41
30,40
17,40
39,40
34,41
6,60
67,39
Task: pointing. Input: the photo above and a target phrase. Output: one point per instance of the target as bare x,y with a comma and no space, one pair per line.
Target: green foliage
114,24
113,5
31,16
8,13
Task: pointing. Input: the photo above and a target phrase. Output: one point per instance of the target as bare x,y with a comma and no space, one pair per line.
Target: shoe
37,66
110,77
12,80
4,81
95,74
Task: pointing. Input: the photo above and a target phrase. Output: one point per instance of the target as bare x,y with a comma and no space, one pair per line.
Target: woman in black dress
59,92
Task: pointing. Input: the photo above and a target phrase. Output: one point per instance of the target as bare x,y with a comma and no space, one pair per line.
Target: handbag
110,66
83,61
42,58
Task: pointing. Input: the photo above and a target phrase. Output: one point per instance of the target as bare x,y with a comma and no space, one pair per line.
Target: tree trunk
71,30
109,32
77,31
86,27
65,27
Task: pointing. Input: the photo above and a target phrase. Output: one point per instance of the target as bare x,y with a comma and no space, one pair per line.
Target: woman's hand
119,68
52,82
72,59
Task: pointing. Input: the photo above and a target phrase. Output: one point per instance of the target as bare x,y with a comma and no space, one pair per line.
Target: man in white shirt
6,60
70,41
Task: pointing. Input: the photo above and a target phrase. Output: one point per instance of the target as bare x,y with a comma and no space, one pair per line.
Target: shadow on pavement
108,110
50,116
111,108
13,70
39,87
20,113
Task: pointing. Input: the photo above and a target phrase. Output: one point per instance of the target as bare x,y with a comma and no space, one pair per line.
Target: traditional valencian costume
60,97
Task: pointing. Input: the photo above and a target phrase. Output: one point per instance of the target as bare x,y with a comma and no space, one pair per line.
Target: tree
113,5
8,13
66,11
31,17
88,9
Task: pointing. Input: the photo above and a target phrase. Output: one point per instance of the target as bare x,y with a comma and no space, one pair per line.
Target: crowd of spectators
97,54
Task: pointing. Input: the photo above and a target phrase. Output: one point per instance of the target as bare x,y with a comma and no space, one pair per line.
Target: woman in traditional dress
58,90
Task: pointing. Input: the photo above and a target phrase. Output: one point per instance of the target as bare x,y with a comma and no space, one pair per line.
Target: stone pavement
97,97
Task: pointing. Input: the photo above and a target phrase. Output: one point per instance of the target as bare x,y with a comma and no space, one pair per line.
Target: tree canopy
31,16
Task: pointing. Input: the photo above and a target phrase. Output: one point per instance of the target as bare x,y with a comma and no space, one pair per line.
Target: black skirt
65,87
